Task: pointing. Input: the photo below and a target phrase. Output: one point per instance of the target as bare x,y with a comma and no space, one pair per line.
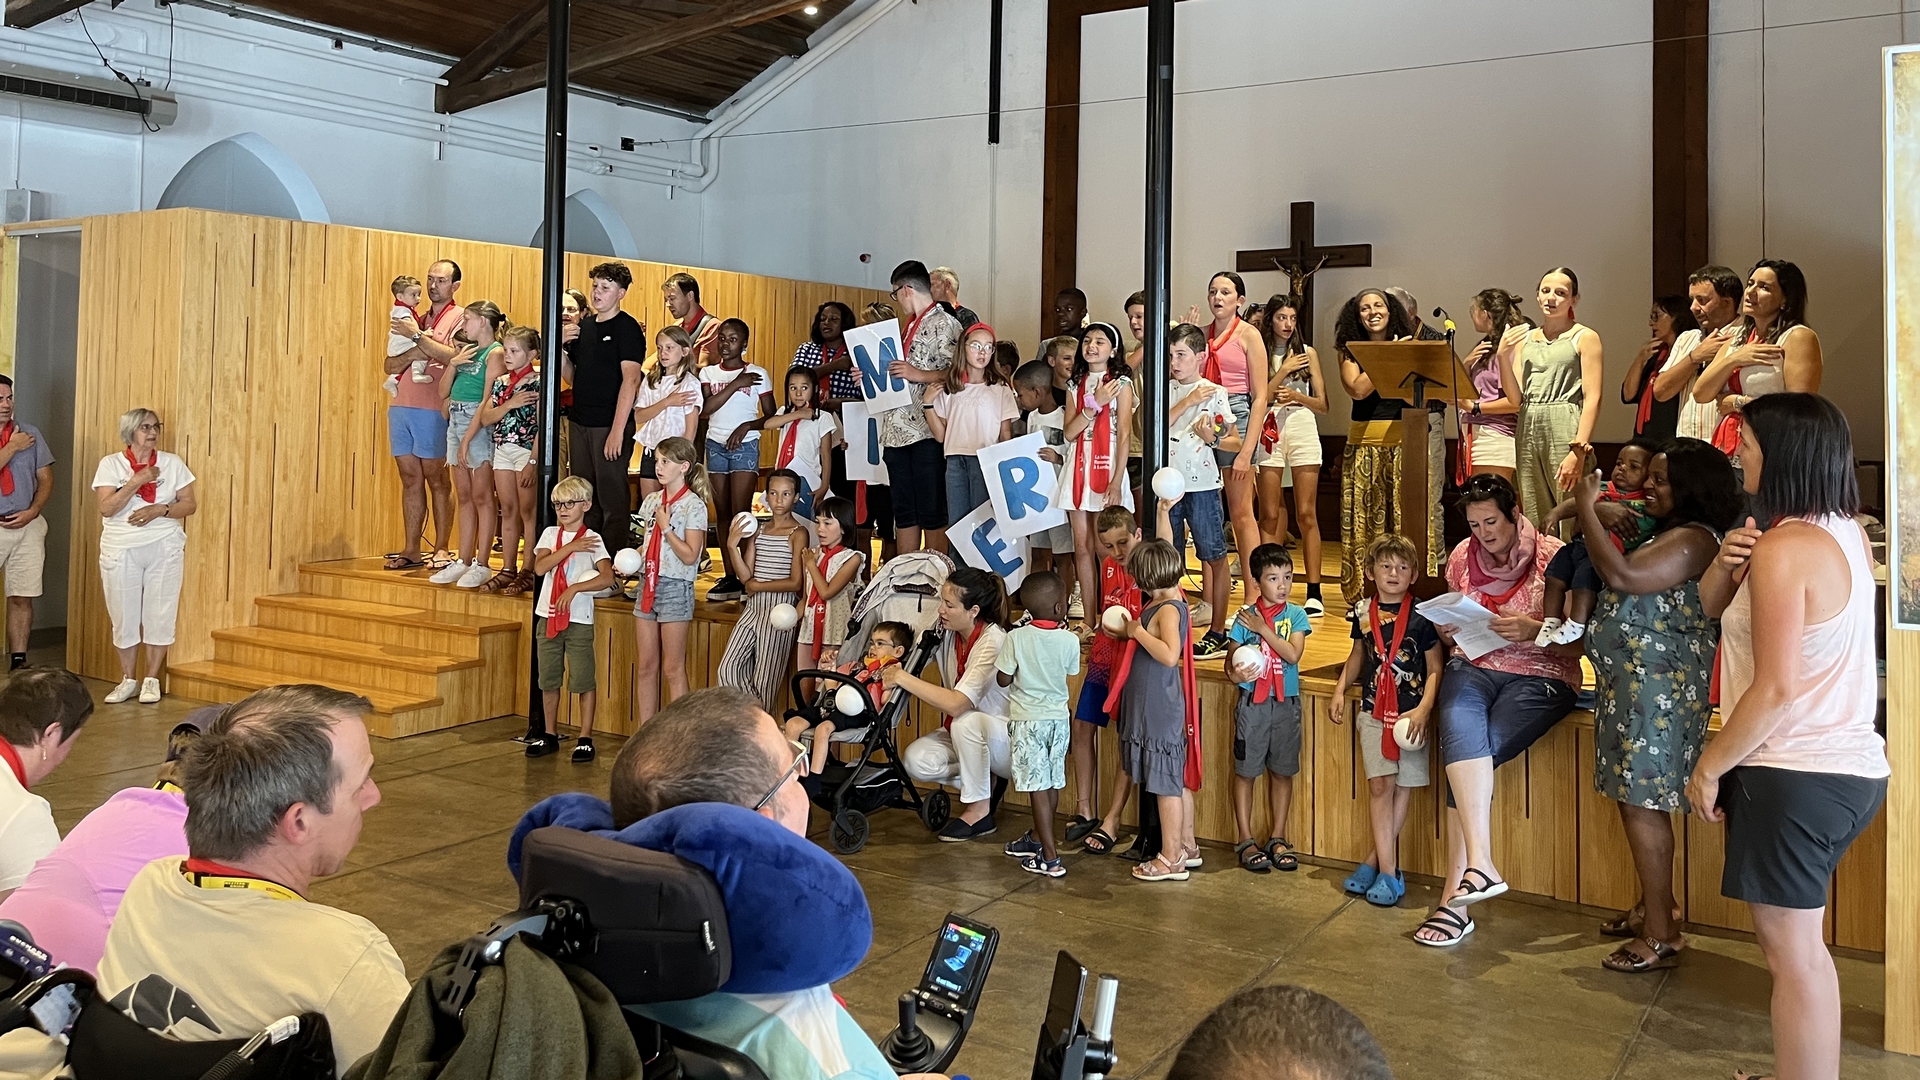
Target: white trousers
142,586
969,755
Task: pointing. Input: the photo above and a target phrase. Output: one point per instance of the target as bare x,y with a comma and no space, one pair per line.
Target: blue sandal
1387,890
1361,880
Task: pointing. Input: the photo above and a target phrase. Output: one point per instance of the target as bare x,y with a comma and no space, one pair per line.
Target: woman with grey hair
145,493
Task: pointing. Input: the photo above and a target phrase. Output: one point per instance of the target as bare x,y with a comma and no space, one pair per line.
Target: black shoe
583,750
958,831
543,746
19,661
727,588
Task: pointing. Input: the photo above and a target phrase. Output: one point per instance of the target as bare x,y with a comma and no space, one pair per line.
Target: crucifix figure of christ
1301,260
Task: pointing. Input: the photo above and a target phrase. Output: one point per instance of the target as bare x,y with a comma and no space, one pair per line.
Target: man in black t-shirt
603,363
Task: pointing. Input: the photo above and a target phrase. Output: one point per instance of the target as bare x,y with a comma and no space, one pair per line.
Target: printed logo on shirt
156,1004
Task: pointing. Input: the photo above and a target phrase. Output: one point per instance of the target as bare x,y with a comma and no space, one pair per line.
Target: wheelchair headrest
794,915
660,922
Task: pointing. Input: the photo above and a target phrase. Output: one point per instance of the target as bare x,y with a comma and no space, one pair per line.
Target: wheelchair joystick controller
907,1047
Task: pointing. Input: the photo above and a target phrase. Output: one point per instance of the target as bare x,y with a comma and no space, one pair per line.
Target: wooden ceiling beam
490,53
27,13
721,19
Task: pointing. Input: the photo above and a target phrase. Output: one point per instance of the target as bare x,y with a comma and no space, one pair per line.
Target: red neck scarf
1046,624
150,491
1093,463
1211,369
1189,690
1272,680
816,604
558,616
6,474
906,341
12,757
1486,578
662,521
962,649
789,442
514,379
693,318
1645,414
1386,689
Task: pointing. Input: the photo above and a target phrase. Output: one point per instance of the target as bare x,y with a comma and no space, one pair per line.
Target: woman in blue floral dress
1652,649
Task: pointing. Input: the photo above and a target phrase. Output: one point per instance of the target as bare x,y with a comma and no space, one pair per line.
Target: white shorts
1299,442
23,553
510,458
1491,449
142,588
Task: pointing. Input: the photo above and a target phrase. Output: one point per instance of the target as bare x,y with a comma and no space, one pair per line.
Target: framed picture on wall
1900,108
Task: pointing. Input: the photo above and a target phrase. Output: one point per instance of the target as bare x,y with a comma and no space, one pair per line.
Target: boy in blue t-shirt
1266,719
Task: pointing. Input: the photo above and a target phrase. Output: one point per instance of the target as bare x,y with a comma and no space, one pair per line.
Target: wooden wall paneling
1857,905
1706,858
1607,875
1340,824
1902,816
1535,834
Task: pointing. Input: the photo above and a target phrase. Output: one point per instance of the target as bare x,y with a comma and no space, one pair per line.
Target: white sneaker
1569,632
476,576
122,692
1076,609
1314,607
450,573
1202,613
1548,627
149,691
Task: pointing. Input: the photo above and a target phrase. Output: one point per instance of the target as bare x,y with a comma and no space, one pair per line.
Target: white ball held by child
784,616
1114,619
1403,734
849,700
628,562
1169,484
746,523
1249,663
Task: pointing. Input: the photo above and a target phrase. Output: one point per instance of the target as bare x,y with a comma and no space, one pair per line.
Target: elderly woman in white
145,493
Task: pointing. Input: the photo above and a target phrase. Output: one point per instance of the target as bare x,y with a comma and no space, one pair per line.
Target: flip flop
1445,920
1079,828
1098,842
400,562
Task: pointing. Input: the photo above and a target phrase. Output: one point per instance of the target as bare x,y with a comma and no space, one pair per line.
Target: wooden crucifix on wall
1301,260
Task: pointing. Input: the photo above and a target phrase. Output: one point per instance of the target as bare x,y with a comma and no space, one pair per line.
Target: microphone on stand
1446,321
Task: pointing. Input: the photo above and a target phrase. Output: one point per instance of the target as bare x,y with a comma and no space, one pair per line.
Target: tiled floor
1523,997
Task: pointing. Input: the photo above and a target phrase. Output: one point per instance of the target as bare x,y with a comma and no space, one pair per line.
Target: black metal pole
1152,378
993,72
553,278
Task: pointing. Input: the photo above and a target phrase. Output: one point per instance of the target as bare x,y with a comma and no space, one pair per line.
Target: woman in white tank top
1798,769
1772,349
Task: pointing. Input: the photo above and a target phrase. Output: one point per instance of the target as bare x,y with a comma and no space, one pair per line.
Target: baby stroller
907,590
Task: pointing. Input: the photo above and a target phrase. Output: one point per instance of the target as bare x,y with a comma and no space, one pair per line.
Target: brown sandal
1625,959
523,581
499,582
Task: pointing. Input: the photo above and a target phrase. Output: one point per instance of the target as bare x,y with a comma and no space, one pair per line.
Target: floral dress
1652,661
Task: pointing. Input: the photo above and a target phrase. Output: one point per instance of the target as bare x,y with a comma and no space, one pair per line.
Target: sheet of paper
1453,609
1477,640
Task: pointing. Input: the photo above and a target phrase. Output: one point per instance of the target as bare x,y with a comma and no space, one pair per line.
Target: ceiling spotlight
810,10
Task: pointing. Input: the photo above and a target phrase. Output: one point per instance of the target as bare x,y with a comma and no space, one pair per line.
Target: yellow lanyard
228,881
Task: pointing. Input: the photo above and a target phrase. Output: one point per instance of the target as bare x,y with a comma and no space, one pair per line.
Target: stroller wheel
849,831
935,809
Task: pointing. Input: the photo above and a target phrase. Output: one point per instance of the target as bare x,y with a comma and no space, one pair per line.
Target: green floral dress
1652,661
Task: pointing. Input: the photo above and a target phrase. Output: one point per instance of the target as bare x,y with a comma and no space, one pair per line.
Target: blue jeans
722,460
966,486
1206,514
1494,714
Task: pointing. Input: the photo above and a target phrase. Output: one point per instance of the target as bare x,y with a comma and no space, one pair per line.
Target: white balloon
1115,619
784,616
849,700
627,562
1168,483
747,522
1403,734
1249,662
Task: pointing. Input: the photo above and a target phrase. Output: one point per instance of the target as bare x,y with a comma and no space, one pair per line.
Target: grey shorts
1058,539
1266,737
672,601
1409,771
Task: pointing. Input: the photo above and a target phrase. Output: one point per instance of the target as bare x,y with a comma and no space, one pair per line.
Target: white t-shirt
980,682
688,515
806,445
27,832
1696,420
741,408
1185,451
974,415
228,962
400,343
670,421
1054,424
117,533
581,565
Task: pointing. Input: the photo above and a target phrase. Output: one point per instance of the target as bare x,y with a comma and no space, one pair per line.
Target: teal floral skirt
1652,662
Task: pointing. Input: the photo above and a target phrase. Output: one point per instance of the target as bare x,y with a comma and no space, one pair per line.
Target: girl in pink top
1798,769
1236,362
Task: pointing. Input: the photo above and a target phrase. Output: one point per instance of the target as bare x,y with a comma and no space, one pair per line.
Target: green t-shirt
470,378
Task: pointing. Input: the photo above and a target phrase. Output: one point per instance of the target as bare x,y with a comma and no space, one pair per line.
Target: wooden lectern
1409,370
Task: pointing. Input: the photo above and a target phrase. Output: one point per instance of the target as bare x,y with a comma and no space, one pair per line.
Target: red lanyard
150,490
13,762
557,616
662,520
906,343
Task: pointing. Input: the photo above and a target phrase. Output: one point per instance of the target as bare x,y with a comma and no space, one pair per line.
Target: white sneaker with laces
149,691
450,573
1569,632
1314,607
122,692
1075,608
1548,627
476,576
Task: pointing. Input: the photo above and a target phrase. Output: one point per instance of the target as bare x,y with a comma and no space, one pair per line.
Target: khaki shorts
1299,443
23,554
570,652
1409,771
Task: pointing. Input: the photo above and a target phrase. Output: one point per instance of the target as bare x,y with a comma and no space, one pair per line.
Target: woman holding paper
1495,703
1652,647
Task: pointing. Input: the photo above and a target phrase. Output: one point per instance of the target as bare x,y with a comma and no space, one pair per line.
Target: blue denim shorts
672,601
460,416
1202,510
722,460
1242,405
420,433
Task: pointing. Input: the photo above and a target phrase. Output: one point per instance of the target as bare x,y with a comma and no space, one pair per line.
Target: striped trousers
757,655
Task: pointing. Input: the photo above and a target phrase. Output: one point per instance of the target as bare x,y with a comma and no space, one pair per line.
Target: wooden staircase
428,656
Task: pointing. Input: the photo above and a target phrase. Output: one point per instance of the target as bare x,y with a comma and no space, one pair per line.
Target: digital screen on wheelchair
959,960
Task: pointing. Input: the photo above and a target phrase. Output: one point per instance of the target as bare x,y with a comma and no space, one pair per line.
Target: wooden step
395,713
362,579
447,633
390,667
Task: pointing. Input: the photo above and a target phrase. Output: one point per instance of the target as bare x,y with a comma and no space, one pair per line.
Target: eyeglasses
980,347
569,504
154,427
801,767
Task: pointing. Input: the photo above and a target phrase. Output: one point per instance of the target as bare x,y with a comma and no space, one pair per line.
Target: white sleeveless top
1829,724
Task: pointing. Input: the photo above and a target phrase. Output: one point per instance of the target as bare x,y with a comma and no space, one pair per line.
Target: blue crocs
1361,880
1387,890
